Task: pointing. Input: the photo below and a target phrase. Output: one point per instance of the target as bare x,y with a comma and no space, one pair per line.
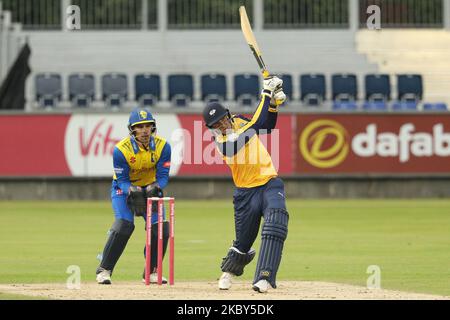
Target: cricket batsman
141,169
259,192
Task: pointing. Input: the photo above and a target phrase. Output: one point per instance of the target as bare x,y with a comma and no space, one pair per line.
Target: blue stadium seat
410,87
246,88
287,85
214,87
344,87
376,105
48,89
181,89
378,87
147,88
435,107
345,106
114,89
312,89
404,106
81,89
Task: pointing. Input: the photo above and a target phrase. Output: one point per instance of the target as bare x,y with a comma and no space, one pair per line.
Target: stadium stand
409,87
181,89
404,106
417,51
147,88
214,87
81,89
313,89
344,87
115,89
48,89
435,107
377,87
246,88
287,86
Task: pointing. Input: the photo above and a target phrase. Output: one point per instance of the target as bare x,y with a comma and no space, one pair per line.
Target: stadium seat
181,89
147,88
246,88
404,106
435,107
287,85
214,87
114,89
81,89
378,87
409,87
376,105
312,89
345,106
48,89
344,87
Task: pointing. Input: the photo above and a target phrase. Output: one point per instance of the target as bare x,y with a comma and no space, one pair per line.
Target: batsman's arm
271,120
163,166
260,116
121,170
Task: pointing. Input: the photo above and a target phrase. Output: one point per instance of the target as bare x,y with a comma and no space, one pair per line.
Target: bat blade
251,40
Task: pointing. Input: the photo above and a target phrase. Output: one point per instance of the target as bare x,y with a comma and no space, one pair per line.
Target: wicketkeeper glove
136,201
154,190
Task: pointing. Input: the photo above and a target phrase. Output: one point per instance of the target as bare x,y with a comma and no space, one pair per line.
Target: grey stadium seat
81,89
114,89
48,89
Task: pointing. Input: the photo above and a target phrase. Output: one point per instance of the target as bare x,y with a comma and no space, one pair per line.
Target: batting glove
278,98
272,83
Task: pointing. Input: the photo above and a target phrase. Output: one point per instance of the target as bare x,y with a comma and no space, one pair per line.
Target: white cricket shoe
225,281
154,278
261,286
104,277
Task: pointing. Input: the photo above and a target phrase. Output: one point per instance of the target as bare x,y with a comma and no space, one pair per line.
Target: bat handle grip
265,74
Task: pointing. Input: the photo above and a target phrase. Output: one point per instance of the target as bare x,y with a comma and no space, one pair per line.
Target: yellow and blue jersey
140,167
250,162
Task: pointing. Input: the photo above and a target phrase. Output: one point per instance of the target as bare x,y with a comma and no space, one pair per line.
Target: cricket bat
251,40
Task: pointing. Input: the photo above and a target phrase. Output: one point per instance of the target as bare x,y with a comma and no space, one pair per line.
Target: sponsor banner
200,155
354,143
33,145
82,144
90,140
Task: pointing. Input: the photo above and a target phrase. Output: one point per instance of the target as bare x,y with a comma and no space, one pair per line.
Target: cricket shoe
225,281
154,278
104,277
261,286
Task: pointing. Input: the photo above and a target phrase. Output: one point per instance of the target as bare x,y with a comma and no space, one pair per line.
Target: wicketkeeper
141,169
259,192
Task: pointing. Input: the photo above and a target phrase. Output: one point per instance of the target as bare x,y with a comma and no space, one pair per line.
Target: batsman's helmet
213,113
140,115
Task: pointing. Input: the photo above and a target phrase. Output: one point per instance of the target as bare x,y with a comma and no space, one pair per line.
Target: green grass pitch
329,240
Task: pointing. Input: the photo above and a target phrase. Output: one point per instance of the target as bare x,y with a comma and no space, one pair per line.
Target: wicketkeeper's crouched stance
141,170
259,192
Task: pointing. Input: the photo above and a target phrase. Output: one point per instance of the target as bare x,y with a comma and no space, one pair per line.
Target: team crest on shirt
133,159
143,114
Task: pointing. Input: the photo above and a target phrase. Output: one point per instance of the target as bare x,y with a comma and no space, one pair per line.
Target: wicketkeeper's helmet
140,115
213,113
